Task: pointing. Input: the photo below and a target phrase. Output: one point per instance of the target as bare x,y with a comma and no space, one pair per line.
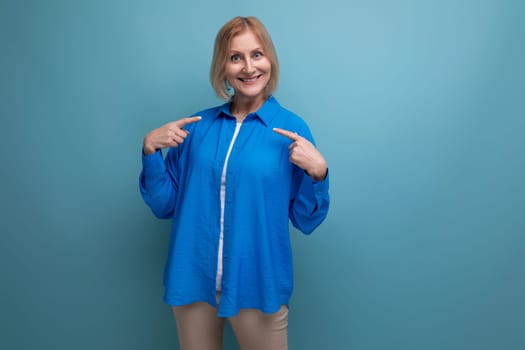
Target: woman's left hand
304,154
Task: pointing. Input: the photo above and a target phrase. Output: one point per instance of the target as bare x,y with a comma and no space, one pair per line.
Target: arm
310,202
159,178
158,183
310,199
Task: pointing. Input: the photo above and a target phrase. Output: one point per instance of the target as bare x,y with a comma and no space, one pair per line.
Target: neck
240,107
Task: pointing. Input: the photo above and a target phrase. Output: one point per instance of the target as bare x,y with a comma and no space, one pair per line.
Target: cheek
230,73
266,65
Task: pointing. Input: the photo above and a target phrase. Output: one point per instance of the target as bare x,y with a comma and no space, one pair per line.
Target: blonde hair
221,50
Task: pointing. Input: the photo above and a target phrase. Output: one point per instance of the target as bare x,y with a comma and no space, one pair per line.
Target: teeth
249,80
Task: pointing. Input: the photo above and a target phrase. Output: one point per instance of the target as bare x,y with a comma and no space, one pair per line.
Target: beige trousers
199,328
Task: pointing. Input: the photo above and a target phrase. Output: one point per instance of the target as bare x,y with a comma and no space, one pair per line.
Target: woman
232,179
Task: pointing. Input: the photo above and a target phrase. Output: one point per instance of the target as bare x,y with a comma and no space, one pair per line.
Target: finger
180,132
177,139
296,153
176,133
185,121
291,135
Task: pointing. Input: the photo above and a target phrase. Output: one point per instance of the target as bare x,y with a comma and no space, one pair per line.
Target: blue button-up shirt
264,191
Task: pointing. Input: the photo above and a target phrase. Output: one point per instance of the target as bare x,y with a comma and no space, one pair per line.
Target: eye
235,58
258,54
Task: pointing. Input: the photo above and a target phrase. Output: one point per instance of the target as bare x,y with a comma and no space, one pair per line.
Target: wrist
147,150
319,175
147,146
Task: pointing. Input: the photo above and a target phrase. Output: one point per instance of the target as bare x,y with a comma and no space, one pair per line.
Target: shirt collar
265,113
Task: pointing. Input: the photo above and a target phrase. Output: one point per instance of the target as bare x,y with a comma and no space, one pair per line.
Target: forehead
245,41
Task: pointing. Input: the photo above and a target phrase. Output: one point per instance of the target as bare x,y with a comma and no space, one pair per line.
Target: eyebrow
256,49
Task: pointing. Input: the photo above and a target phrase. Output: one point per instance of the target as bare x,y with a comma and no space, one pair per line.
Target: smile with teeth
250,80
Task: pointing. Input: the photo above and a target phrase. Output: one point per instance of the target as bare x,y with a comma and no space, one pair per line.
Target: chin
248,95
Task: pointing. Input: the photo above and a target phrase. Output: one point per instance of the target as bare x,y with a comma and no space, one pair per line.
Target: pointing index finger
291,135
185,121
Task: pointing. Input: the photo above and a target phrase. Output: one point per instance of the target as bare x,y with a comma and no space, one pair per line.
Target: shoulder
289,120
208,115
210,112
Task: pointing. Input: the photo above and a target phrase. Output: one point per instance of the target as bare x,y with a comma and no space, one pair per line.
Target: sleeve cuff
321,187
153,164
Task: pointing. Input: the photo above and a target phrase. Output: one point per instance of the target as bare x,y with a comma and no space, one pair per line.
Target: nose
249,68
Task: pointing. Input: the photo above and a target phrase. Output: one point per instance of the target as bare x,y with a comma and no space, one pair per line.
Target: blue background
417,106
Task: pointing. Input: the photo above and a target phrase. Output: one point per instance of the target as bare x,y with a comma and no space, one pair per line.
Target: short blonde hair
221,50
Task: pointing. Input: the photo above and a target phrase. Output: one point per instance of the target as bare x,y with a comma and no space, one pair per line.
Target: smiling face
247,69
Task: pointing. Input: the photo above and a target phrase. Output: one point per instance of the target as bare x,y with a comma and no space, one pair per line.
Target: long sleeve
310,205
310,199
158,185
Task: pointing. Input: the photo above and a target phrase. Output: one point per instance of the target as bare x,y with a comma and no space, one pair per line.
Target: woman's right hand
168,135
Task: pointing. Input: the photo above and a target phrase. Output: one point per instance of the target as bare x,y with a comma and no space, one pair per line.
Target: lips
250,80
